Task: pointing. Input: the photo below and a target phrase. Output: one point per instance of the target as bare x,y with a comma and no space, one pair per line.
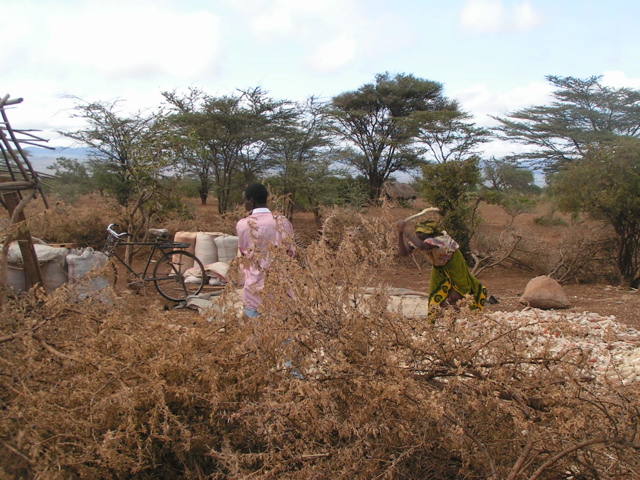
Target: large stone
544,293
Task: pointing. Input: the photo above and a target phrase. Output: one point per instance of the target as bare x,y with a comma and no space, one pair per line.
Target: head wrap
428,227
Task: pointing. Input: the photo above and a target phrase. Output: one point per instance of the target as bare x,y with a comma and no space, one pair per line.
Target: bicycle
171,260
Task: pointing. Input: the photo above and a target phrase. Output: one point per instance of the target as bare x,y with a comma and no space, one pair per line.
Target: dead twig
521,459
13,336
564,453
476,271
55,352
18,453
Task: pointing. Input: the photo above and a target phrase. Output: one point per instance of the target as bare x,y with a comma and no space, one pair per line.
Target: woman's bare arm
403,248
419,244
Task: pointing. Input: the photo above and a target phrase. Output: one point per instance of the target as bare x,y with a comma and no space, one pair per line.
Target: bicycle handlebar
115,234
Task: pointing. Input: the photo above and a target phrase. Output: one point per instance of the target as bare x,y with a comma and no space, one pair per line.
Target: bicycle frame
169,258
156,246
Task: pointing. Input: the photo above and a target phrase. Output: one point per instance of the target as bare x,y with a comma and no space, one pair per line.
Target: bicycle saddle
159,232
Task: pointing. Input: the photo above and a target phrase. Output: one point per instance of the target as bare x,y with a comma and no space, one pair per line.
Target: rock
544,293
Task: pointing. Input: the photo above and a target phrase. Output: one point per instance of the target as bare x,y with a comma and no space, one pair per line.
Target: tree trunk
222,202
289,204
628,251
203,191
375,188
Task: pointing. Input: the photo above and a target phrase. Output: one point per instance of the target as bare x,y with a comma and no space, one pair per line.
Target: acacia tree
507,174
225,138
267,116
606,184
584,114
509,185
132,158
300,155
71,177
589,125
450,141
447,135
130,152
447,186
186,119
372,121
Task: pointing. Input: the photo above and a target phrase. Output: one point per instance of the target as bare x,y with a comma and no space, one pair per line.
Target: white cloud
333,55
275,22
130,40
100,51
284,18
489,16
482,102
324,35
137,41
481,16
617,79
526,18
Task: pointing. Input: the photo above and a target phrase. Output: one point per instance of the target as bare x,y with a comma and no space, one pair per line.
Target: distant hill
41,158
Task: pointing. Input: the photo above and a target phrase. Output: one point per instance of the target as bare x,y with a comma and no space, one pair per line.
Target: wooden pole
29,256
420,214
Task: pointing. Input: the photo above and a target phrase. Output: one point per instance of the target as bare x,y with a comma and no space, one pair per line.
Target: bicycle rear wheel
170,279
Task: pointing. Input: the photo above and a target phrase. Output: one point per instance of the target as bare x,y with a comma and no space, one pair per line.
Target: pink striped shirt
256,234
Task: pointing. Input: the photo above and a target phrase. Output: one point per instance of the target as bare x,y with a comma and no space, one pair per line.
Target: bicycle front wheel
173,277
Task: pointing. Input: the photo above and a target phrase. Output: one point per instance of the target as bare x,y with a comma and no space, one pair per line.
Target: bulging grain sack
227,246
83,282
206,249
217,271
190,238
54,275
44,253
16,279
545,293
193,275
53,264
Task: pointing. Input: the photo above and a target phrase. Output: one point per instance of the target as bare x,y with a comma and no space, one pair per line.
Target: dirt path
507,286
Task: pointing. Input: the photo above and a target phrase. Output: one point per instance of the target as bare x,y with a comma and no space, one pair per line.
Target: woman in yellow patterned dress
451,279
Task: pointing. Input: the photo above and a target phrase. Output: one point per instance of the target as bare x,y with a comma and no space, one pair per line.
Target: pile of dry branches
130,390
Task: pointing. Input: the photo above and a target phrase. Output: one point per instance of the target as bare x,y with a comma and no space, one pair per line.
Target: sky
490,55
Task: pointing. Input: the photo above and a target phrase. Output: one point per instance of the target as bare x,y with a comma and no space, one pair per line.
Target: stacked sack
216,251
53,266
59,266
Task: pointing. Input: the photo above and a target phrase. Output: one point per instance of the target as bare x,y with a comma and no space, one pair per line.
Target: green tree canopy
447,135
372,122
226,137
606,184
71,177
300,155
583,114
447,186
508,175
132,151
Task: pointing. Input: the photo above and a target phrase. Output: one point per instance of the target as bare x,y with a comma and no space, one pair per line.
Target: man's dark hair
257,192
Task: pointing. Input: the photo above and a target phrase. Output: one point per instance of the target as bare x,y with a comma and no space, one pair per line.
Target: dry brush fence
130,390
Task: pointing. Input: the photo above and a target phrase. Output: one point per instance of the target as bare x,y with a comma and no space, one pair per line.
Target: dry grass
131,390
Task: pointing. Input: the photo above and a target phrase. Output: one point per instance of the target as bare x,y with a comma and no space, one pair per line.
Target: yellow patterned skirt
455,275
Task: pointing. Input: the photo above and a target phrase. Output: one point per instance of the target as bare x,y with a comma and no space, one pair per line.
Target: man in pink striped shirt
257,235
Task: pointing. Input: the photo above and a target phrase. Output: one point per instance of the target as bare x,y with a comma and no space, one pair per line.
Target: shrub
84,224
550,220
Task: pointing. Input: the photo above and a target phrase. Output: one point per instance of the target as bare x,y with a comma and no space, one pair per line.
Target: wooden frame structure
19,184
